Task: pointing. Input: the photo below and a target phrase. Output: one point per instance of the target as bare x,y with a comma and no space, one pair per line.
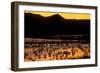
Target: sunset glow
63,14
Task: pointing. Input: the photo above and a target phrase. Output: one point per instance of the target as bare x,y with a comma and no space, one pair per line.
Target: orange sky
63,14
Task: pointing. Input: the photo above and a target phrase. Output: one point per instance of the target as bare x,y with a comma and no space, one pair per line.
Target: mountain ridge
57,15
37,25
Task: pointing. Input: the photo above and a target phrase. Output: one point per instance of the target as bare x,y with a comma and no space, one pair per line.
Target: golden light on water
55,51
75,53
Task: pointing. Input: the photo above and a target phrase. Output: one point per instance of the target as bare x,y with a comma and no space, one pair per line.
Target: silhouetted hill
39,26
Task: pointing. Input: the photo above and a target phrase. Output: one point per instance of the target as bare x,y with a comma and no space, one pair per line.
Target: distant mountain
56,16
39,26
